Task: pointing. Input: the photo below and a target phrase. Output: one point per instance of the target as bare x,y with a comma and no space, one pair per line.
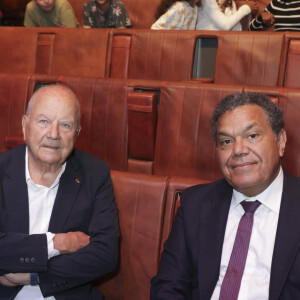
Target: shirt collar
31,182
270,197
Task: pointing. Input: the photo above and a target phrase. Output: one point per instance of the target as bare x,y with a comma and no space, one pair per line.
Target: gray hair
273,112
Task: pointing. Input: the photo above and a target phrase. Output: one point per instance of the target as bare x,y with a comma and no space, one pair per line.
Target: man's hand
14,279
5,282
268,18
70,241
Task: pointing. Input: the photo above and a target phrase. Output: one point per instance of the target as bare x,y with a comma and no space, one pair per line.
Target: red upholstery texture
140,166
104,119
142,116
291,106
17,55
184,145
175,187
13,95
251,58
80,52
44,53
120,52
68,51
159,55
141,201
293,64
14,140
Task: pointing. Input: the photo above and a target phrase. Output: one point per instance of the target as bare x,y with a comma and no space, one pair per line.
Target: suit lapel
14,194
69,185
212,225
287,236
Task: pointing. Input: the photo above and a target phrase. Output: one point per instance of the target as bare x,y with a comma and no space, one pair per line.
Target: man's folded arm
99,257
23,253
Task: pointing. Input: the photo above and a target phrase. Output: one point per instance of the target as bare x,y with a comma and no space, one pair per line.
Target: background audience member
105,14
284,15
50,13
223,15
180,15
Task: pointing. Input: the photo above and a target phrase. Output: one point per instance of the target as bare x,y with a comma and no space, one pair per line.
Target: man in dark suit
205,256
58,219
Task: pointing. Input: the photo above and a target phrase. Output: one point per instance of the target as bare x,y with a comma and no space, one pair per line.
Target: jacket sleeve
22,253
98,257
174,278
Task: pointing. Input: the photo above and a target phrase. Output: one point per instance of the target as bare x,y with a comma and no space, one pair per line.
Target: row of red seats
151,127
120,119
146,205
243,58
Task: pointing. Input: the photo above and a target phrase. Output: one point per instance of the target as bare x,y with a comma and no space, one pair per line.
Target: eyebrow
254,124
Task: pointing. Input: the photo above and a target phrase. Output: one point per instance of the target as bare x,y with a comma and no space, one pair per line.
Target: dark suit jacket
190,263
84,202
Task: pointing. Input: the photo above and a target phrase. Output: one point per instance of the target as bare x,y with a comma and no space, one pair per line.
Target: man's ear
78,131
24,123
281,141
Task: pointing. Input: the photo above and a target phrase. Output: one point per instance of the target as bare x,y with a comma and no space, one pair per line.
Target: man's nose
239,147
53,132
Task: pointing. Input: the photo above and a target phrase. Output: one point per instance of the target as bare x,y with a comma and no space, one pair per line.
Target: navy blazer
190,263
84,202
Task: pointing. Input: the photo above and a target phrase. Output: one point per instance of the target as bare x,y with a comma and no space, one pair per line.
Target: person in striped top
283,14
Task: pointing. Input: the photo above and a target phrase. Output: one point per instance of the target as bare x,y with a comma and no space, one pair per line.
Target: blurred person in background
223,14
284,15
105,14
50,13
180,15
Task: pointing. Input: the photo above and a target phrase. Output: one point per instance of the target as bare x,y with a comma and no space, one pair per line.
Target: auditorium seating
249,58
13,97
146,212
244,58
67,51
145,114
150,127
292,60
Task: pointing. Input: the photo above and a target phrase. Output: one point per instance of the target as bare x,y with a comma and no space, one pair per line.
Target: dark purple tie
232,280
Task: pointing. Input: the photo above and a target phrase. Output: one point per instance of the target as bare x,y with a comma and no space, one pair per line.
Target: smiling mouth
243,165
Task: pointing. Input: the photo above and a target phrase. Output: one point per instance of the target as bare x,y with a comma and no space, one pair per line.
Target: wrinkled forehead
54,99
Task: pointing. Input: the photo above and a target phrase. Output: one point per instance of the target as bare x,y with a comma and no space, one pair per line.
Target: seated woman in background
223,14
105,14
180,15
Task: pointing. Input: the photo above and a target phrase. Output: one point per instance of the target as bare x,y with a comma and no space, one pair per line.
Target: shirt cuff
51,251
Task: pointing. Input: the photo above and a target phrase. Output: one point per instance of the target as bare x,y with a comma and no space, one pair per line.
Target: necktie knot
250,206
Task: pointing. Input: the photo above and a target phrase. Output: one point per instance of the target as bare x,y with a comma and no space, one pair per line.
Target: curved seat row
242,58
151,127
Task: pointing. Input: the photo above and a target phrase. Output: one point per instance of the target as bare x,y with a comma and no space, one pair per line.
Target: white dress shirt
256,278
41,201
